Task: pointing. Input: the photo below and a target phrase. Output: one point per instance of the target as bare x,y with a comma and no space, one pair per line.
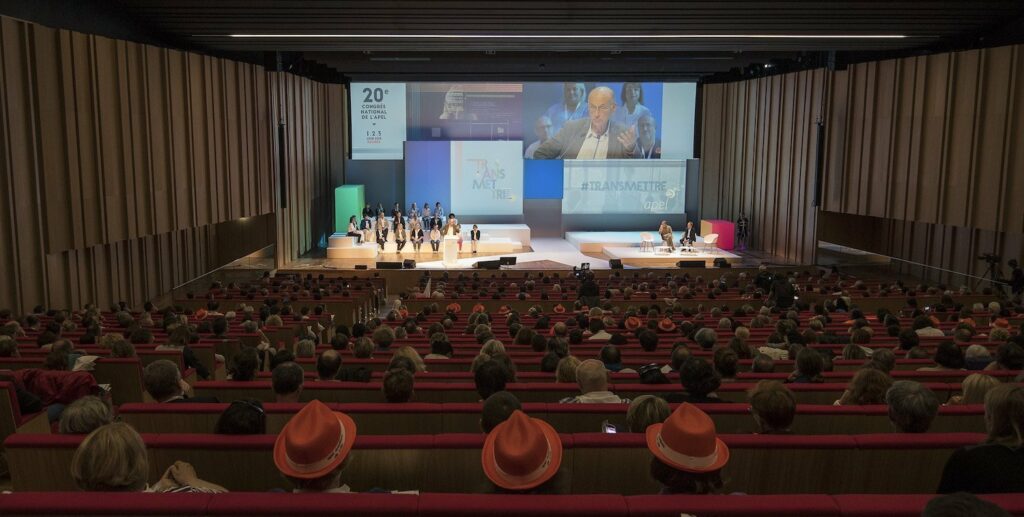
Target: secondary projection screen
473,178
624,187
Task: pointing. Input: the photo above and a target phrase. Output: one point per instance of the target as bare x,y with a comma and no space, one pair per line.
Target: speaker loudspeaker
488,264
409,264
721,262
615,263
361,266
690,263
389,265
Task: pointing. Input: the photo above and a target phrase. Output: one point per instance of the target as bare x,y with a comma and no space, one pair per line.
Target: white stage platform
632,256
595,242
494,238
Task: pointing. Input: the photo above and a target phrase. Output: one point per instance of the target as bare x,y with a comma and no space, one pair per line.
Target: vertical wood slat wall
931,145
121,162
758,140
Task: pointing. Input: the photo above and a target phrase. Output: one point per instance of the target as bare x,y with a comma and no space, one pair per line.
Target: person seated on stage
666,235
415,234
414,211
397,219
435,238
438,210
367,212
474,236
367,227
380,209
400,235
425,214
396,210
353,231
381,232
689,235
452,229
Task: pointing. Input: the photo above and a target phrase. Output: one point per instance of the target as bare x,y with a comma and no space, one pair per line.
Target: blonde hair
566,369
108,341
85,415
1004,415
414,356
644,411
111,459
492,347
976,386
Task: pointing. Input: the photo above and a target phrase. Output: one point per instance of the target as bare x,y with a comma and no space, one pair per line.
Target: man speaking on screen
593,138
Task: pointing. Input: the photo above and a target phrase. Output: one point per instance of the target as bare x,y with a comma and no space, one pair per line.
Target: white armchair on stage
646,242
450,247
710,241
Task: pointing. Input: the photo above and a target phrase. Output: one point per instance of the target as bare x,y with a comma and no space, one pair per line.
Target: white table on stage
450,245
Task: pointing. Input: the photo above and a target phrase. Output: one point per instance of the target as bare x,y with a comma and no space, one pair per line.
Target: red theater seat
731,505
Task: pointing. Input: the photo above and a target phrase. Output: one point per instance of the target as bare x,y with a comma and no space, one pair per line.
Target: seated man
689,235
592,377
912,406
496,409
287,379
163,382
666,235
397,385
327,365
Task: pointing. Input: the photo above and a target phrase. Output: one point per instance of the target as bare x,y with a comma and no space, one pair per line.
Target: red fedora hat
687,441
521,453
314,442
666,325
632,323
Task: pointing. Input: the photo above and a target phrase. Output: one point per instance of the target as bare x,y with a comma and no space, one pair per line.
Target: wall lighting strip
568,36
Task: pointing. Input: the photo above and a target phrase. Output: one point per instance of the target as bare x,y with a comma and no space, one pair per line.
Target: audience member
490,377
328,365
997,464
912,406
85,415
496,409
287,381
566,370
592,377
974,388
867,387
644,411
397,385
243,416
113,458
313,449
699,383
773,407
163,382
523,455
688,455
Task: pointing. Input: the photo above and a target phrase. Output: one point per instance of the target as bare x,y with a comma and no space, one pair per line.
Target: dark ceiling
206,25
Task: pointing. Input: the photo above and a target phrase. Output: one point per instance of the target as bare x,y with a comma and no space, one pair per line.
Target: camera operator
589,293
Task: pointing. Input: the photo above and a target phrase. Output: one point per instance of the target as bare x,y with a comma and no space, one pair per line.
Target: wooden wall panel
758,141
931,139
126,167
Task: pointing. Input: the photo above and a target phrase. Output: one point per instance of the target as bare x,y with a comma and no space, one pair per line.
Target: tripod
990,274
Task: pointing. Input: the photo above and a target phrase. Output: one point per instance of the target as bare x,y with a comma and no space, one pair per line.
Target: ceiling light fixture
564,36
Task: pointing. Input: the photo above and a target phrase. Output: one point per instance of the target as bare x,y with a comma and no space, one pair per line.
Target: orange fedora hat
559,308
632,323
314,442
666,325
521,453
687,441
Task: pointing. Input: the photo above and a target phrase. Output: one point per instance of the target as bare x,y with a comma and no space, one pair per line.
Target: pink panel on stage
726,231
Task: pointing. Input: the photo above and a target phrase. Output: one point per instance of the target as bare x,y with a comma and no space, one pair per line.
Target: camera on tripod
991,258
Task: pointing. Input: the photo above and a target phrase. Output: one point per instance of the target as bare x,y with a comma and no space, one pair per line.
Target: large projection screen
624,187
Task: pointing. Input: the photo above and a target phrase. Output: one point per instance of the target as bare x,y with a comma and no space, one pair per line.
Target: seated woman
435,238
353,230
400,235
997,464
415,234
867,387
474,237
366,226
113,459
381,231
688,455
666,235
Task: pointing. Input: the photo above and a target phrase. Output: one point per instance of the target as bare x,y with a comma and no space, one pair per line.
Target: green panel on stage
348,201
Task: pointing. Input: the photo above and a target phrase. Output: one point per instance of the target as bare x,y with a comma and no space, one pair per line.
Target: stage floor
632,256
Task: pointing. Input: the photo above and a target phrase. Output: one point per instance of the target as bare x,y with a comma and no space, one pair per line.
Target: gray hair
706,338
912,406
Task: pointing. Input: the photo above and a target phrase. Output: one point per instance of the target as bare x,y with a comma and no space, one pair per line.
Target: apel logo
655,206
486,178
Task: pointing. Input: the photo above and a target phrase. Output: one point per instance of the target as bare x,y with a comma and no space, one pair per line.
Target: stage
595,248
